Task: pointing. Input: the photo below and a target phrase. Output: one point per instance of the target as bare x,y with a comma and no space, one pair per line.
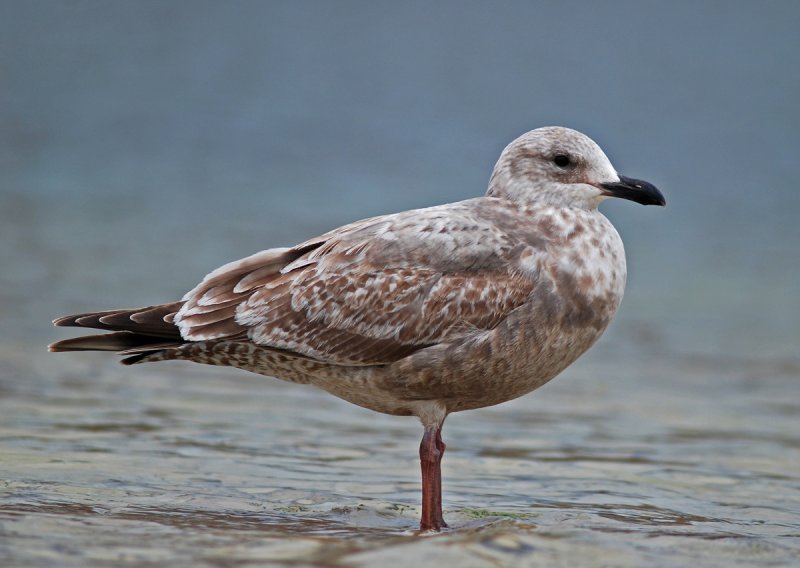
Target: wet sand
660,462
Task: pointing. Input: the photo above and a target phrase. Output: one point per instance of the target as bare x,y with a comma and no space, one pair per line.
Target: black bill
635,190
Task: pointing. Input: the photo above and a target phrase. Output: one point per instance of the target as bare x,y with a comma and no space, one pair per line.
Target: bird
421,313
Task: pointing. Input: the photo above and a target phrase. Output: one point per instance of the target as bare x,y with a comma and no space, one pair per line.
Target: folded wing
365,294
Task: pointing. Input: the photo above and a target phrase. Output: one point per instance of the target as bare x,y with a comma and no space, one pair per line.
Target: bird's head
561,167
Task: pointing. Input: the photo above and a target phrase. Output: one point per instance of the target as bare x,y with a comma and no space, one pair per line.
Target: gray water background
144,143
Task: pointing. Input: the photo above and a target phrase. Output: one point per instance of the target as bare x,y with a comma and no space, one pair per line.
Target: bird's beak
635,190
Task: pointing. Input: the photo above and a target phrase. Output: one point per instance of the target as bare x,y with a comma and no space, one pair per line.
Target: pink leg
431,450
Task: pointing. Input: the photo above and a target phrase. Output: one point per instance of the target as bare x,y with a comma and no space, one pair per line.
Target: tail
136,333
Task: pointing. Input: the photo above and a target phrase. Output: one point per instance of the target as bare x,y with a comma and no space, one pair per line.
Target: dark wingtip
84,343
64,321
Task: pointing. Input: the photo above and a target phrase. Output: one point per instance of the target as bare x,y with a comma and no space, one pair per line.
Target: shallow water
691,462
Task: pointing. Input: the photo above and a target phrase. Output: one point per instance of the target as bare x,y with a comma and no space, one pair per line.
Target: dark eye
561,160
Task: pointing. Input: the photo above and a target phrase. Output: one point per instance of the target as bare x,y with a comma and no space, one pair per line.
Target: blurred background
144,143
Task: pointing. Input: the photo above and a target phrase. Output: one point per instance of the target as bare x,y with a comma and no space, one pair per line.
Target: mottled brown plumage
424,312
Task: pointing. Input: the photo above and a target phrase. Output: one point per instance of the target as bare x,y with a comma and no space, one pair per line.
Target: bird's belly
538,340
529,348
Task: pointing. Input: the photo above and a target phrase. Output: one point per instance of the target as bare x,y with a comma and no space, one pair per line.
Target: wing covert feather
367,293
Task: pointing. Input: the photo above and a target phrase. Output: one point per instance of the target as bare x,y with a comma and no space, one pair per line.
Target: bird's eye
561,160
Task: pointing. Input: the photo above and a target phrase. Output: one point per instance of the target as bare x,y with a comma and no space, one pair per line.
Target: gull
420,313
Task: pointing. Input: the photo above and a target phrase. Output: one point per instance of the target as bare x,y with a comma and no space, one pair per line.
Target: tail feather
138,332
151,320
132,360
155,352
117,341
88,318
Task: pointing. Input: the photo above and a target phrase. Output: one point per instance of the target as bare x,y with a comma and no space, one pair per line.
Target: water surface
607,465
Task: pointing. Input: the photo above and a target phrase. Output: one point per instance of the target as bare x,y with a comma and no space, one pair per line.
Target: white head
561,167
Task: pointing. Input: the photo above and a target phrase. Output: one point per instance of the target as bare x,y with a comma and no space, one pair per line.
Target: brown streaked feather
197,309
351,298
227,328
204,318
213,298
254,280
369,293
371,316
227,276
216,295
